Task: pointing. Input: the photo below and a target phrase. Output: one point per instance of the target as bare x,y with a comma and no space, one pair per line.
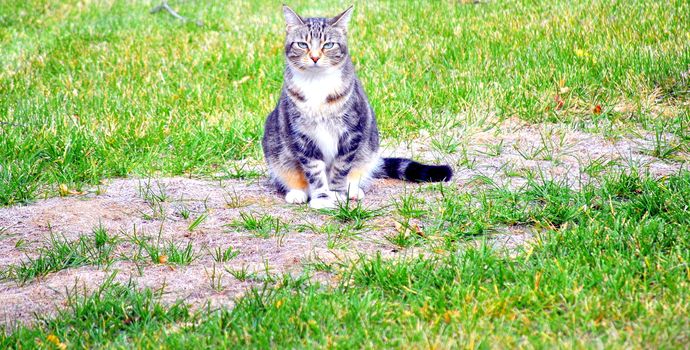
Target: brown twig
12,124
164,6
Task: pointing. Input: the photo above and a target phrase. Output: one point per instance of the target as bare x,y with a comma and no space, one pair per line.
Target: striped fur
321,142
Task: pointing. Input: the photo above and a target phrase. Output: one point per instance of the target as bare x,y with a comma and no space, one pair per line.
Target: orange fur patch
355,174
294,179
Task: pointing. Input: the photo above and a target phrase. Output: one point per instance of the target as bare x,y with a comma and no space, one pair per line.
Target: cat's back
271,138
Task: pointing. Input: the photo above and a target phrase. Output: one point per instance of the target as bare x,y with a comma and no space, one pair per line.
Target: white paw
356,193
353,194
296,197
329,202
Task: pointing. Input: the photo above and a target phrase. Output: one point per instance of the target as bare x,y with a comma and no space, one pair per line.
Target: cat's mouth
314,65
310,66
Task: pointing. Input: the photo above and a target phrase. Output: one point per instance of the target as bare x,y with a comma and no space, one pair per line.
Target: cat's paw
296,197
357,194
353,194
324,201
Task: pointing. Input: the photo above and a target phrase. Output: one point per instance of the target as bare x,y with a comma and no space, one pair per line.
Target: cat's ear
342,19
291,17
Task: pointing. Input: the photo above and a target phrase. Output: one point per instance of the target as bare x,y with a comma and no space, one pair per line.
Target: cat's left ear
342,20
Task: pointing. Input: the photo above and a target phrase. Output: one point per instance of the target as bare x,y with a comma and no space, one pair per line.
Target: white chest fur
315,88
321,123
326,136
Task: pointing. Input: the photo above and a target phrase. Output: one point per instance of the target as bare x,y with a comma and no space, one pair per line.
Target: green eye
302,45
328,45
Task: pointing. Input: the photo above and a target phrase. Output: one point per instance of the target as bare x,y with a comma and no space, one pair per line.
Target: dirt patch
504,154
509,152
122,209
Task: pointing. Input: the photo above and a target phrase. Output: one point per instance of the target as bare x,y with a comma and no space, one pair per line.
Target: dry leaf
241,81
418,231
52,338
449,315
65,191
399,227
537,280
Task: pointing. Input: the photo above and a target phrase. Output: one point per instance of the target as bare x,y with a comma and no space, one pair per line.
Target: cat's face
313,44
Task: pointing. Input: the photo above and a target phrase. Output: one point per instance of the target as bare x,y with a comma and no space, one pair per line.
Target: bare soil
500,153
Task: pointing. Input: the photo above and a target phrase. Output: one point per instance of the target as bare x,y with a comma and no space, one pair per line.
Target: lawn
566,120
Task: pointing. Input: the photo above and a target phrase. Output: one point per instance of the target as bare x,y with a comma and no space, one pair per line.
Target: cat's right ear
292,18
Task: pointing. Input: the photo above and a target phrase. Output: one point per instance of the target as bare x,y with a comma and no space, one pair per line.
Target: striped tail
409,170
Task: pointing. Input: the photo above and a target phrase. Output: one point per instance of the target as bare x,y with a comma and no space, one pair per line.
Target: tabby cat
321,142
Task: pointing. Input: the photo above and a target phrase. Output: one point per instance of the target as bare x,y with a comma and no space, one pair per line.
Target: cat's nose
315,58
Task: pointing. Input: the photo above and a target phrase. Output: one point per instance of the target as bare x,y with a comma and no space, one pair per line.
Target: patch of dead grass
121,208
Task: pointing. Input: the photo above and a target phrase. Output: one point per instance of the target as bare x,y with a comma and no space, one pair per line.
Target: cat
321,142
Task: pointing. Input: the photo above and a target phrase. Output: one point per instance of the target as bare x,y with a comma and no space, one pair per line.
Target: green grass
160,251
93,90
60,253
196,222
338,235
241,274
107,89
171,252
224,255
260,225
614,273
353,213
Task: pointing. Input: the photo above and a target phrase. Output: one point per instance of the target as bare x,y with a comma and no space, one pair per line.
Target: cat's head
312,44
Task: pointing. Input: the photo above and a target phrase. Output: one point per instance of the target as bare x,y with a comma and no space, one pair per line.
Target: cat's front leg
311,161
343,183
343,175
321,195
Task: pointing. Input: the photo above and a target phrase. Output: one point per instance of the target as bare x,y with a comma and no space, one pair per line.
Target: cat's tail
409,170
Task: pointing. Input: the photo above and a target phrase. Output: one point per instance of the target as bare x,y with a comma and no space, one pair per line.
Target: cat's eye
328,45
302,45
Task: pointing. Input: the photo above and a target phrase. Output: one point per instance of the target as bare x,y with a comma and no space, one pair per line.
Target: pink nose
315,58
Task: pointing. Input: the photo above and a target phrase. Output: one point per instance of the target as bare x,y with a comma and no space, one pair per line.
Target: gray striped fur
321,142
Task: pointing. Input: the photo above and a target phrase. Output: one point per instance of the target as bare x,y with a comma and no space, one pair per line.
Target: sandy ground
501,153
